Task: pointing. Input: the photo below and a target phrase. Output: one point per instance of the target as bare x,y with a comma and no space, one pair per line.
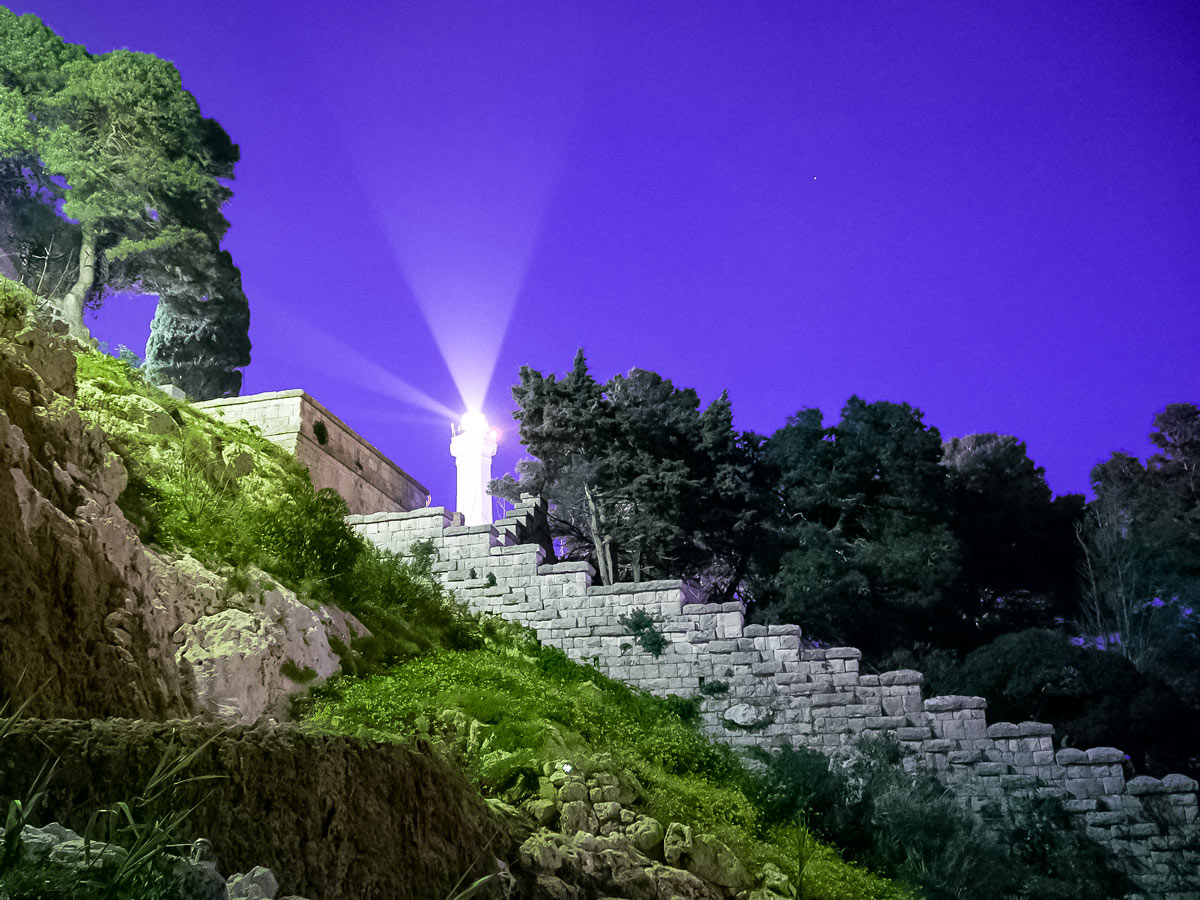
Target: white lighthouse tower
473,446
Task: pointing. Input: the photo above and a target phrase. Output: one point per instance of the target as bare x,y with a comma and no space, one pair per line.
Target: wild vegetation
111,181
952,557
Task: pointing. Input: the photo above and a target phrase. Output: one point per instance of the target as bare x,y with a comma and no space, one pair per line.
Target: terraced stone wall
760,686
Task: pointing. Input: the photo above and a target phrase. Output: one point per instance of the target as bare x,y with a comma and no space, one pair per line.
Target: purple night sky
990,211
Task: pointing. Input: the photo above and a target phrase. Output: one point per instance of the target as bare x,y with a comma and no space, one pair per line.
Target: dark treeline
950,556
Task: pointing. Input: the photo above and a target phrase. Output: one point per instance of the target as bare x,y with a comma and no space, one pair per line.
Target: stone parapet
335,455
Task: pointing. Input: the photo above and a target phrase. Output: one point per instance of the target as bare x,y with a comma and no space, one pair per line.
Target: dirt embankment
330,816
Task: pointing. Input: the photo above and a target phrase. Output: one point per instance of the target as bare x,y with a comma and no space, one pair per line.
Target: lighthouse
473,445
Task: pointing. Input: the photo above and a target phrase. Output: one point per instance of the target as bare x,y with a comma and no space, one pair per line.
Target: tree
1017,542
1140,544
1092,697
639,480
862,552
114,144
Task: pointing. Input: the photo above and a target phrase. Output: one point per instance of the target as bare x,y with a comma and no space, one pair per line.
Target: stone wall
344,461
761,687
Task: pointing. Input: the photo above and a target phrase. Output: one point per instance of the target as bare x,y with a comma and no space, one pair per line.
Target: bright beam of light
356,369
457,123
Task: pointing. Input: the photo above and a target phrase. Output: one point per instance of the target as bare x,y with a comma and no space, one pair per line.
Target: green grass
532,706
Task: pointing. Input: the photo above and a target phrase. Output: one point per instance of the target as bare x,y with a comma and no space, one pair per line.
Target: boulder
711,859
647,834
257,884
578,816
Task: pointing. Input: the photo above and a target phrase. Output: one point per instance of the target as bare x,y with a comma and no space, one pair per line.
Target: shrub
645,631
909,825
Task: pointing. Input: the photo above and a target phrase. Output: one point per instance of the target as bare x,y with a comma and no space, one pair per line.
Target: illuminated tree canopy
114,182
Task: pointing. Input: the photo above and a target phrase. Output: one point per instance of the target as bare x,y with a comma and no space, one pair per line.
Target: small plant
290,669
713,688
491,579
472,574
645,631
320,432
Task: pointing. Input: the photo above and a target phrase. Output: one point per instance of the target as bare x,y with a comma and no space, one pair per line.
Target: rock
677,843
236,656
553,888
711,859
544,811
199,881
679,884
572,791
257,884
743,715
577,816
646,834
541,851
36,844
774,879
80,854
607,812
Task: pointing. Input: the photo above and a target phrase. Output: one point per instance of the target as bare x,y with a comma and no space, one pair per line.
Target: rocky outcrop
82,614
92,621
245,662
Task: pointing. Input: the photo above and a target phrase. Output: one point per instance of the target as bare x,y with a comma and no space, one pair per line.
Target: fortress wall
760,687
345,462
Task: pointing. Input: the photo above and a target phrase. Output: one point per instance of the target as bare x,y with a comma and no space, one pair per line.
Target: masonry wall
761,687
368,480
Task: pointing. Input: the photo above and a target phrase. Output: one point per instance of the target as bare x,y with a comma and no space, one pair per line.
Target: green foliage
909,826
306,540
533,706
16,302
1094,698
713,687
141,178
863,555
639,479
290,669
1017,544
645,631
1140,545
320,432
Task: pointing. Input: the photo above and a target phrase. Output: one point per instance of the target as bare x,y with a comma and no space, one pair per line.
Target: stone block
1003,730
1105,755
990,768
1069,756
1036,728
1173,784
900,677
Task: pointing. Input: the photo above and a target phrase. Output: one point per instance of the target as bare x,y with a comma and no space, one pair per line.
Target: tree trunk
603,557
71,307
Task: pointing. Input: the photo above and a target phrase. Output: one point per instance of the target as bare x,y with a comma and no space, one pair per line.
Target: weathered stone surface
647,834
1069,756
1105,755
900,676
677,843
953,703
257,884
743,715
1178,784
710,859
1004,730
576,816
